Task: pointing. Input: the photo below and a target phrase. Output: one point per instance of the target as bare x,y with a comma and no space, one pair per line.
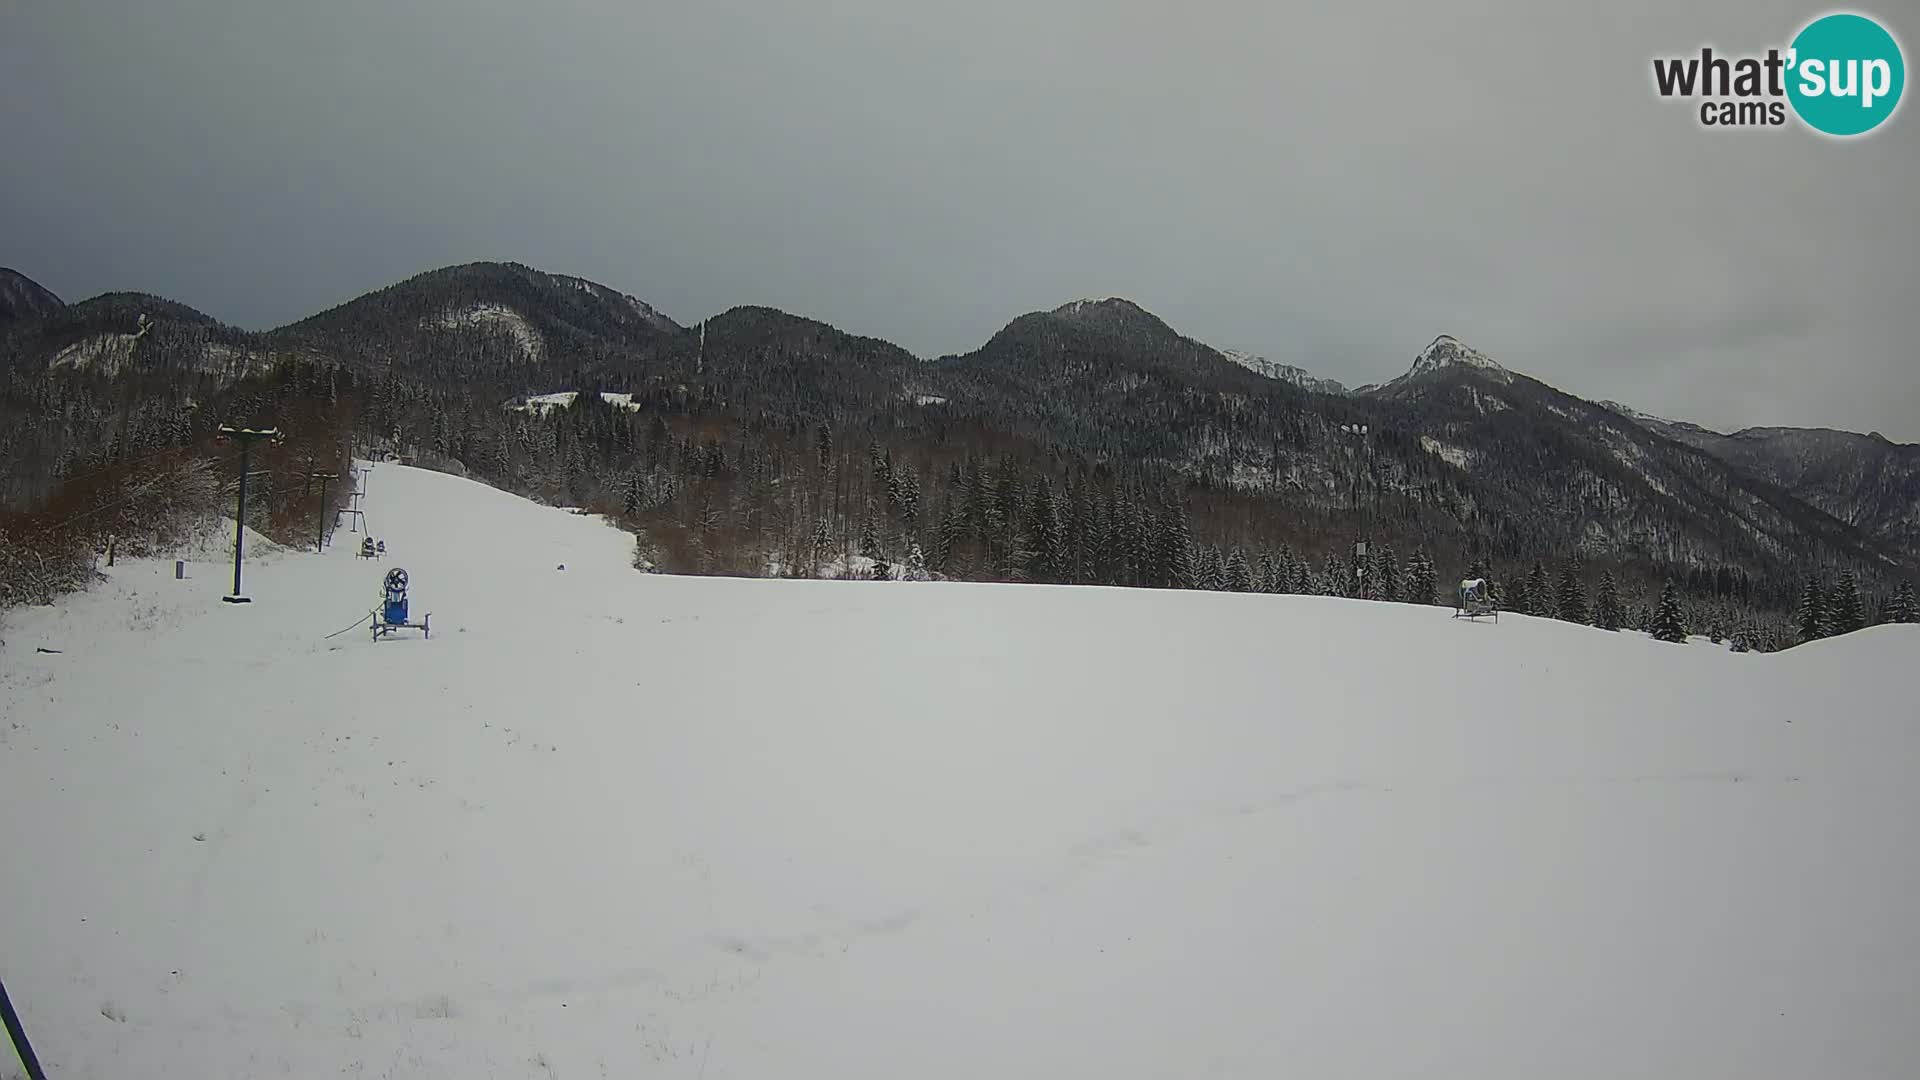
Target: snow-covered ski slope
612,824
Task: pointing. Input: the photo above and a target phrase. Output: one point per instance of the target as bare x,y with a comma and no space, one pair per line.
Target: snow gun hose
19,1036
362,622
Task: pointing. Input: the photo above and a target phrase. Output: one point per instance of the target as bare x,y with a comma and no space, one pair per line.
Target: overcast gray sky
1327,187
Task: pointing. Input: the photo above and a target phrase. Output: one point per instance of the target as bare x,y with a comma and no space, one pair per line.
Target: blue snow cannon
393,608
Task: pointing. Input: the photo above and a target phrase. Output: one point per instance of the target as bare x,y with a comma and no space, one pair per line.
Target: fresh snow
1485,403
1288,373
1077,306
104,354
110,354
545,403
1633,456
1632,413
1452,455
606,823
541,403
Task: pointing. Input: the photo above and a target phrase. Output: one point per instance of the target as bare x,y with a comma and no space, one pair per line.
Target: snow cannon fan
396,597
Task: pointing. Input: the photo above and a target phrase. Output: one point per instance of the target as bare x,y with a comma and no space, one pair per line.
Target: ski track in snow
606,823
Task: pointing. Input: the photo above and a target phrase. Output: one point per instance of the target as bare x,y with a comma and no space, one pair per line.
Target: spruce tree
1903,609
1573,595
1043,536
1239,575
1176,550
1141,556
976,502
1386,575
1143,544
1302,584
1843,609
1667,623
870,547
1097,540
908,497
1539,601
822,537
1813,612
1268,575
1005,506
1606,608
916,562
1420,579
952,534
1117,553
630,499
822,444
1211,570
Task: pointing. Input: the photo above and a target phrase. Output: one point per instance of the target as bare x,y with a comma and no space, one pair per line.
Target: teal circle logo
1846,74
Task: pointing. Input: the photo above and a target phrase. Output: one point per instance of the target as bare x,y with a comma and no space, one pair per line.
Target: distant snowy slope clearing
606,823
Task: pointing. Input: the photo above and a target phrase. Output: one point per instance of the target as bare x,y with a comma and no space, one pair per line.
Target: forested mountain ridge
1534,451
487,323
760,441
120,332
21,297
1865,480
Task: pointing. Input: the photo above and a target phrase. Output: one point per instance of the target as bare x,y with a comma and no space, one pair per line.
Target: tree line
767,494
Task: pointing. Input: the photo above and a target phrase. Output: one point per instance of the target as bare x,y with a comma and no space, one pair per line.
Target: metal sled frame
381,627
1477,611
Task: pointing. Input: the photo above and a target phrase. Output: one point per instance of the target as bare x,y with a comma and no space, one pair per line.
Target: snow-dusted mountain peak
1110,303
1447,350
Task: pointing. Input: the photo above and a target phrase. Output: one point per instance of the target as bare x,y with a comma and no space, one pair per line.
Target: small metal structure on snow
392,614
1475,600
